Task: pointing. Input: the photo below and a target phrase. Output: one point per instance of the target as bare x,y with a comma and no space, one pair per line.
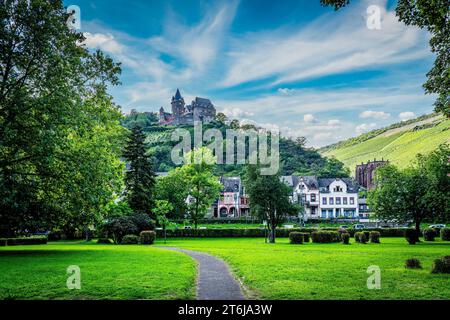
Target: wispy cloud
329,45
374,114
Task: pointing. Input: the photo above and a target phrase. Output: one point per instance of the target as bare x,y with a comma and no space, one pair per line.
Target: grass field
270,271
399,147
329,271
107,272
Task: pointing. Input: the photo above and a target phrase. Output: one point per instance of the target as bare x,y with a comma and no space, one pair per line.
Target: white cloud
309,118
407,115
374,114
105,42
333,43
285,90
236,113
334,122
365,127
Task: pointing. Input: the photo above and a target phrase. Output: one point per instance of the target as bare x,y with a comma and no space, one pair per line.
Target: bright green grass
107,272
399,148
329,271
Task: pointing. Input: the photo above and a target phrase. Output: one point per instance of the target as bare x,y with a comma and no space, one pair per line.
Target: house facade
233,202
325,198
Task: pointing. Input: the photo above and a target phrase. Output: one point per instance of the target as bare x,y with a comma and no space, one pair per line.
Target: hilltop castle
200,109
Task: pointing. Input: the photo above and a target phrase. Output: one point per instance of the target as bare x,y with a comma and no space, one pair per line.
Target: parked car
343,227
358,226
187,227
437,226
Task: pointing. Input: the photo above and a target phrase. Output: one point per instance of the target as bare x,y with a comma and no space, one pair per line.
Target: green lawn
329,271
107,272
270,271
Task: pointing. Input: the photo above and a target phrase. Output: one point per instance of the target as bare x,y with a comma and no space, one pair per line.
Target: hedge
429,234
260,232
445,234
23,241
147,237
324,236
130,239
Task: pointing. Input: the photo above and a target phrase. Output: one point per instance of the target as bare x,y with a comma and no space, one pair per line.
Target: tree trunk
418,221
272,233
165,236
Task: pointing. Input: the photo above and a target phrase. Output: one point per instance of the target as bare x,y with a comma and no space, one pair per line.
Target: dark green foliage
429,234
139,178
412,236
296,238
345,237
141,119
117,228
22,241
325,236
104,241
441,265
306,237
413,264
130,239
147,237
374,236
142,222
269,198
445,234
361,237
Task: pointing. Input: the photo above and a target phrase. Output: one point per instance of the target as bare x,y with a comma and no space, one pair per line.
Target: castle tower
365,172
177,107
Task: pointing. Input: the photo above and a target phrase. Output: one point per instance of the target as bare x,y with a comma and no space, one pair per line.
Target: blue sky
291,65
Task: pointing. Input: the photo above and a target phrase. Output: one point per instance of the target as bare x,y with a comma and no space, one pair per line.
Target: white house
325,198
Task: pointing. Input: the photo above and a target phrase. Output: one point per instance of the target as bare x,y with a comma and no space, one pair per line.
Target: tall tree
162,208
203,187
434,15
268,198
418,193
139,178
172,189
59,129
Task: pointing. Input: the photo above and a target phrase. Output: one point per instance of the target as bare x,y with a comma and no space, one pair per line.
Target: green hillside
399,143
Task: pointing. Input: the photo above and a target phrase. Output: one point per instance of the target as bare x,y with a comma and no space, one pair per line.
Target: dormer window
338,189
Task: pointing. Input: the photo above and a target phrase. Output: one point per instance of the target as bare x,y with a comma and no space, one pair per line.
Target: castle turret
177,106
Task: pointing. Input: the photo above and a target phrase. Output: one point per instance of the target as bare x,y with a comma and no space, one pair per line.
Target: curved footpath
215,281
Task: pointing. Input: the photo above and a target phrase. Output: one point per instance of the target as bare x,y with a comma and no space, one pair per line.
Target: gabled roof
231,184
178,95
351,185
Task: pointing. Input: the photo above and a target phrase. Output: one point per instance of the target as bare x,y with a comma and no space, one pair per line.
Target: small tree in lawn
203,187
162,208
269,198
139,178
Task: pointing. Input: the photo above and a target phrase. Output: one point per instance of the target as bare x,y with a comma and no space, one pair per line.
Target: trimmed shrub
147,237
325,236
130,239
441,265
341,231
104,241
3,242
362,238
429,234
296,238
356,236
413,263
374,237
345,237
445,234
306,237
411,236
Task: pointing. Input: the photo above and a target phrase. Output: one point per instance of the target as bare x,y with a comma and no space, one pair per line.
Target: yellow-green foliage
399,147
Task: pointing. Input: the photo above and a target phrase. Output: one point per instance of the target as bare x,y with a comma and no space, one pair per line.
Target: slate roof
324,183
231,184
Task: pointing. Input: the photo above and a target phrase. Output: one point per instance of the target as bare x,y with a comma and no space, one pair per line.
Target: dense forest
295,157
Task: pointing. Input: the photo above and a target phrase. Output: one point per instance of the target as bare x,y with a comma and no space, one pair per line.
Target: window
338,200
324,200
313,198
338,189
344,200
352,200
324,213
331,200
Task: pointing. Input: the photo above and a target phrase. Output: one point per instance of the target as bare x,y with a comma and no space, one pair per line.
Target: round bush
413,264
147,237
411,236
441,265
445,234
374,237
306,237
325,236
361,237
356,236
130,239
429,234
345,238
296,237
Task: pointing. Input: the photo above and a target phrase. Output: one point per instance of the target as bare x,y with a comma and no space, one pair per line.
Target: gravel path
215,281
